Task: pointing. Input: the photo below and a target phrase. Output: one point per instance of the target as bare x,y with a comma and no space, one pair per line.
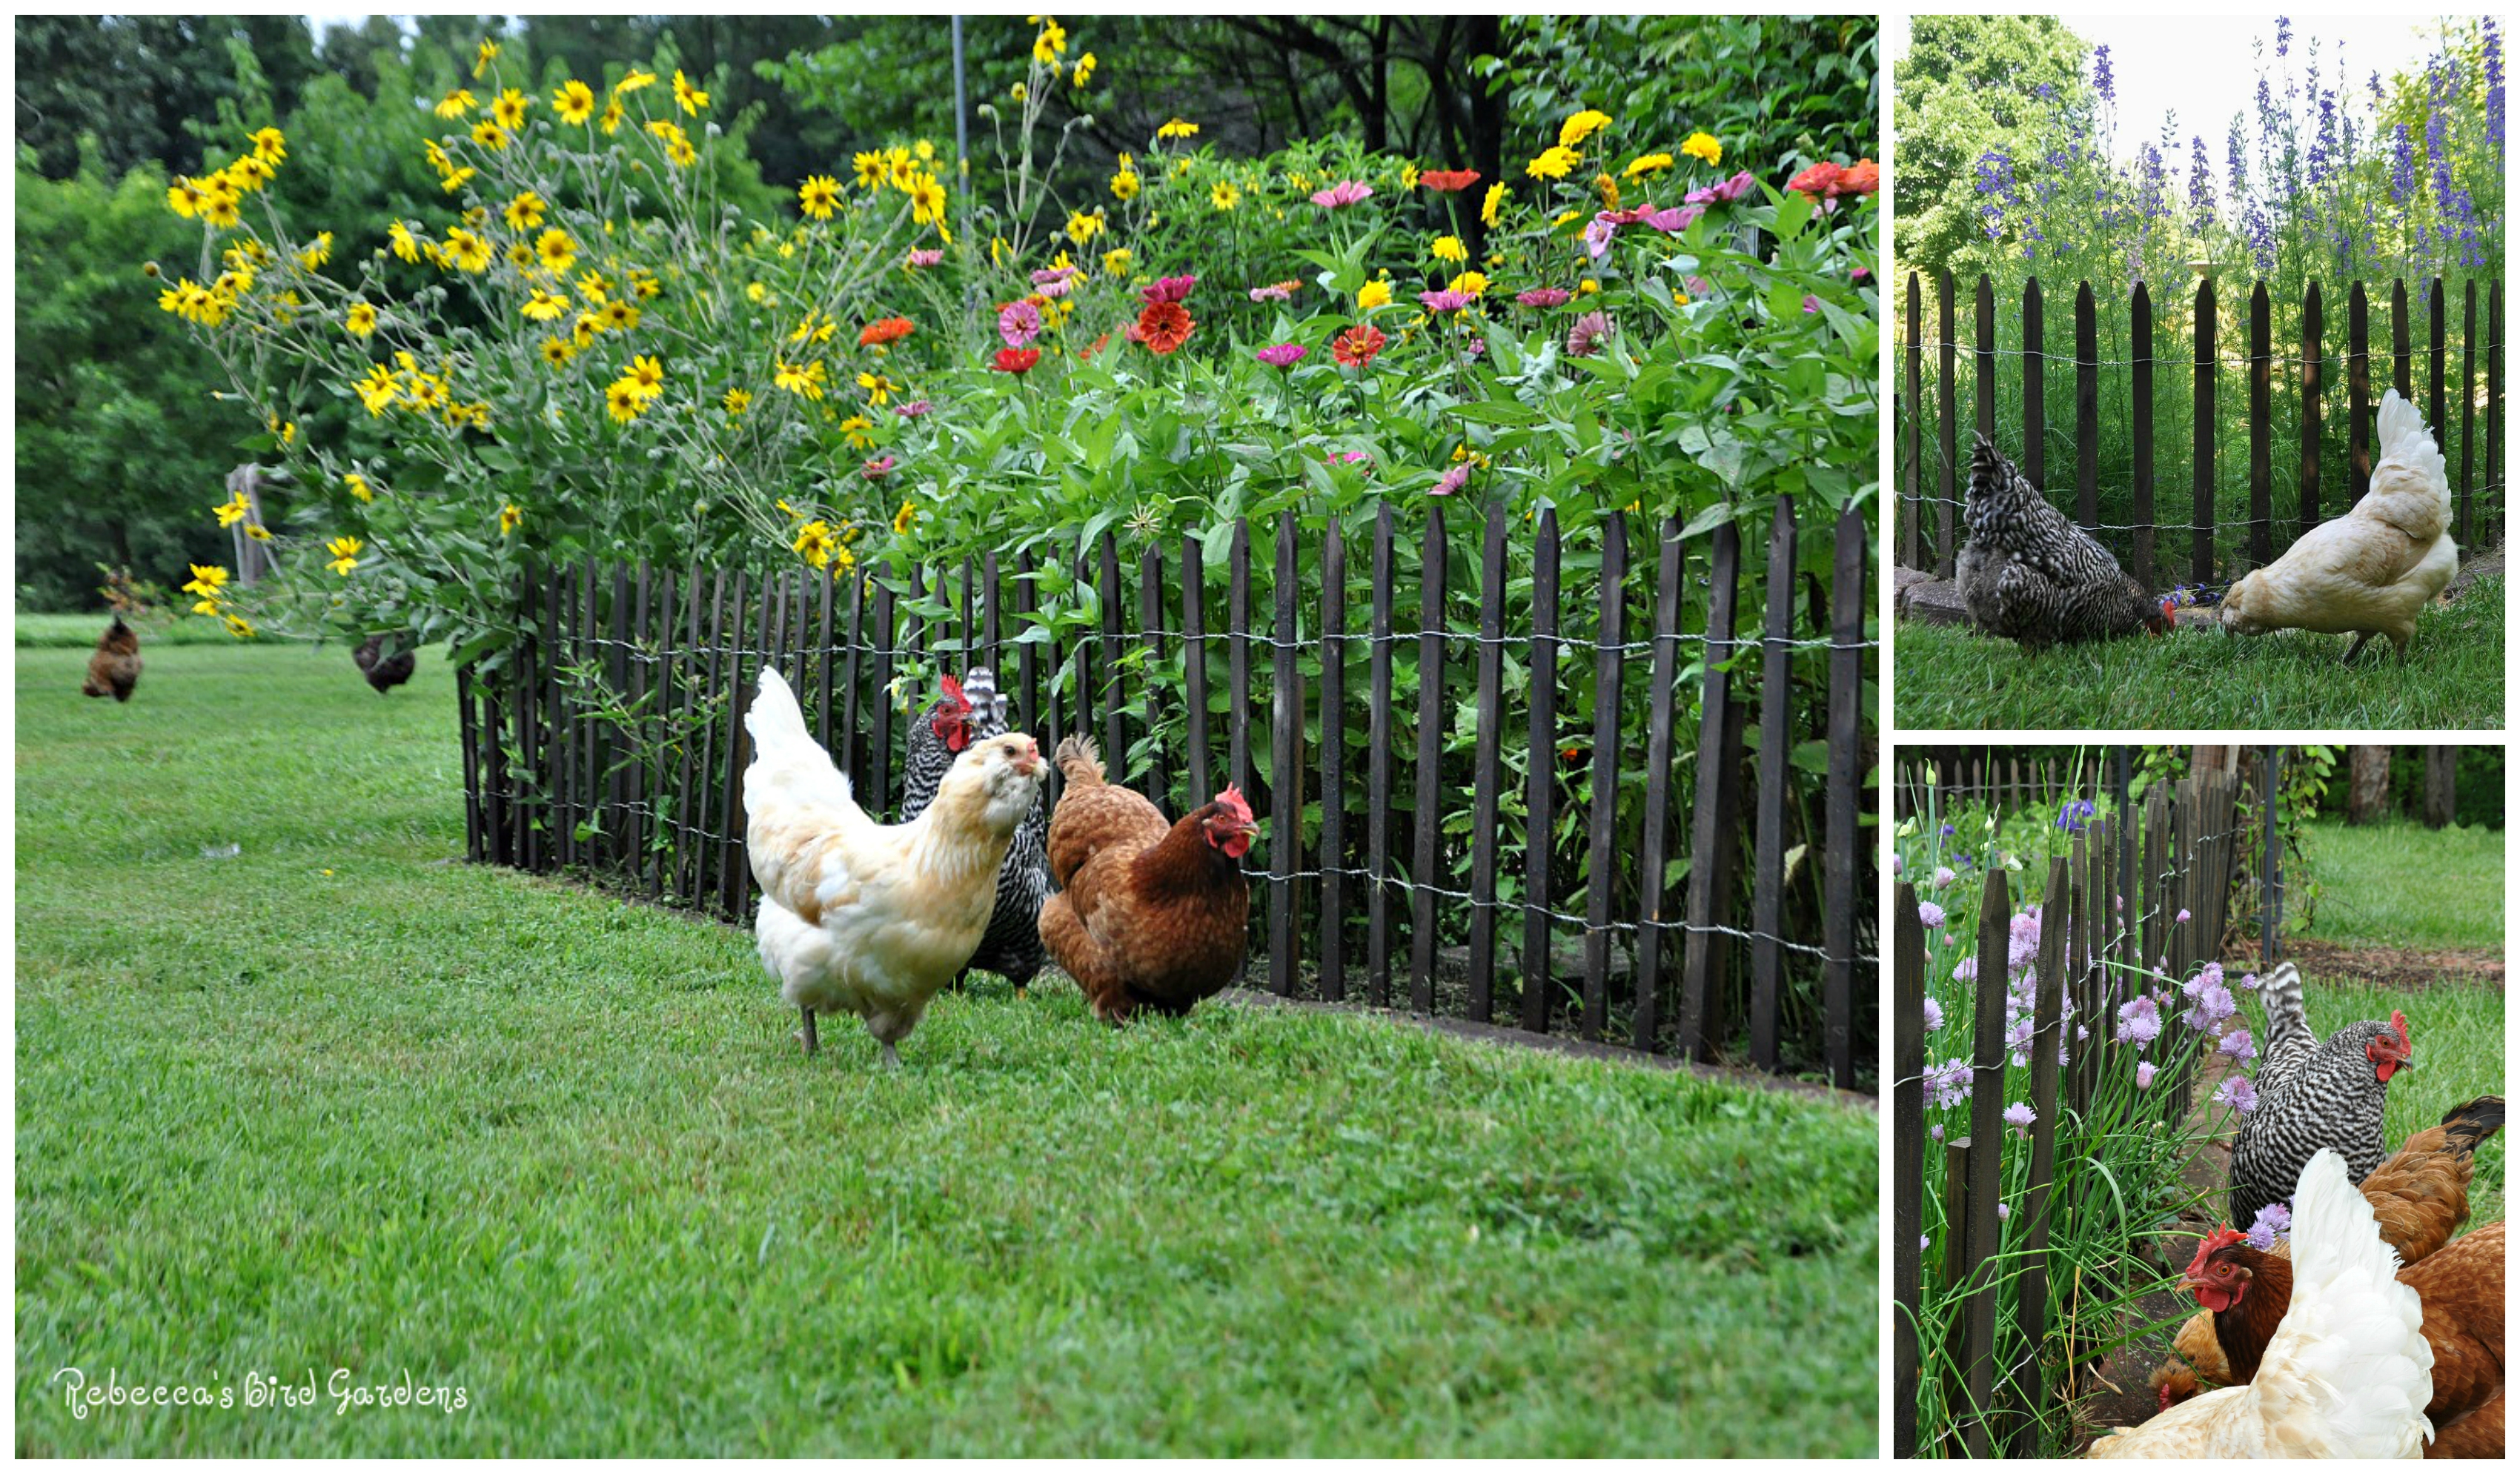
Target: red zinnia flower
1861,177
1819,182
1015,360
1356,347
1447,181
1164,326
890,330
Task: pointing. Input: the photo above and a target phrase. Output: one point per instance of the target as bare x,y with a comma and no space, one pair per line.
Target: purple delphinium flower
2239,1093
2283,35
2143,1075
2103,81
1018,323
1929,914
1282,355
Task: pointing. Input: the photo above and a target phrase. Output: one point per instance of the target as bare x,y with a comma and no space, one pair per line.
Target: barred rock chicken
115,669
2370,571
2419,1197
1148,916
967,711
384,672
2250,1291
2313,1093
2347,1373
2027,572
872,919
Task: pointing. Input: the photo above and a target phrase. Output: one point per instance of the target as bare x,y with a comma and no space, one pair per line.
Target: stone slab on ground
1932,602
2486,565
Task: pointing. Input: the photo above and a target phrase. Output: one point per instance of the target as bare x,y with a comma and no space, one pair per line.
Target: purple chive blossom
2273,1221
2019,1114
1943,875
1898,864
2239,1093
1933,1015
2139,1021
2239,1046
1925,1241
1282,355
1929,914
2003,1210
2143,1075
2183,916
1966,972
2249,981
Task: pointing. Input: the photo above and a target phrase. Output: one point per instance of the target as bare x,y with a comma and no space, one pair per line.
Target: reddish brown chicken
115,669
1147,915
2419,1196
2461,1288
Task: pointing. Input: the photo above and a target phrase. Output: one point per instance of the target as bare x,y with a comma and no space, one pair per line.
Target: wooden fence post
1238,659
2310,390
2493,471
1602,865
2358,395
1982,356
2034,384
2270,886
1911,431
2200,503
1285,768
1652,890
2086,411
1540,779
1488,766
1380,755
1845,857
1195,671
1906,1164
1710,873
2142,347
1150,693
1333,857
2029,1386
1984,1164
1776,742
2401,358
2261,428
1426,813
1948,550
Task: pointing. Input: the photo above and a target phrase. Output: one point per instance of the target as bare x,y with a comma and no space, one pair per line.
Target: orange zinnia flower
890,330
1354,348
1164,326
1447,181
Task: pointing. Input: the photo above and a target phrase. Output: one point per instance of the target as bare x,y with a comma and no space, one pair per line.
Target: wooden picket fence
2178,863
1932,496
609,741
1990,780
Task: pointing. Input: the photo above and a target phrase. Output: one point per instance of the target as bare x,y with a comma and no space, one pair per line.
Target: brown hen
115,669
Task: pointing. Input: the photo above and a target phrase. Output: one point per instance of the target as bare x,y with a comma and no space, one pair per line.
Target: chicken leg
812,1043
2360,639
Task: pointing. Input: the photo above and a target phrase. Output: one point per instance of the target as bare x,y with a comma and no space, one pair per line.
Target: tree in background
1970,86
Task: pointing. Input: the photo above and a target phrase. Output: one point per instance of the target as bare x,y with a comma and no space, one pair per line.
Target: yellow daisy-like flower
859,430
469,252
879,388
618,316
1083,69
647,376
207,581
809,380
1472,282
258,532
1408,176
1609,189
647,288
404,245
1052,41
360,320
872,170
612,119
818,194
736,401
623,401
1082,226
358,486
219,202
928,201
632,81
1449,249
679,148
1177,128
511,517
457,180
481,60
1124,186
575,102
592,287
525,212
925,151
522,259
1702,145
345,554
426,392
1225,195
902,519
556,351
379,390
232,509
250,173
269,145
555,250
544,306
184,196
1019,92
814,543
900,167
582,331
510,109
319,254
1374,294
1581,126
1653,163
1553,163
238,625
691,98
455,103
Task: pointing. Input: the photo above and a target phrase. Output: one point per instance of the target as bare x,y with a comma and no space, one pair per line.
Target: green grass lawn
79,632
343,1102
2403,885
1949,678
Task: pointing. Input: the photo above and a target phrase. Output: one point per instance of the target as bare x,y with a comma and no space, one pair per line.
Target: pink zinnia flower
1543,297
878,468
1050,274
1583,340
1282,355
1452,480
1018,323
1811,303
1729,191
1671,220
1858,274
1597,235
1445,301
1340,195
1274,291
914,409
924,258
1169,289
1054,289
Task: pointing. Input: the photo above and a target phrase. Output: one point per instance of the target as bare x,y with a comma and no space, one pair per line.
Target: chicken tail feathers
1079,761
784,752
2467,1126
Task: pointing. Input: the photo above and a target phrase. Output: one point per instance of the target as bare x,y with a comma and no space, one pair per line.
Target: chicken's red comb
953,690
2222,1238
2398,1021
1234,805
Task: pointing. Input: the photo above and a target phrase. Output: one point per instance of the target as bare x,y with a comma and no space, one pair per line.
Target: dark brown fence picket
1426,811
1844,868
1776,742
1947,549
1608,686
1379,744
1705,949
1332,983
2200,531
1285,766
2261,428
2033,383
2312,386
1906,1164
1912,430
1490,767
2086,411
1654,894
2142,318
1540,788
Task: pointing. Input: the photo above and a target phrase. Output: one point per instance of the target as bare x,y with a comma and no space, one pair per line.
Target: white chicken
2370,571
2348,1373
871,918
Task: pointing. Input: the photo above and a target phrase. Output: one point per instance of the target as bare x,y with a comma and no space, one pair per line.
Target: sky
2205,68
